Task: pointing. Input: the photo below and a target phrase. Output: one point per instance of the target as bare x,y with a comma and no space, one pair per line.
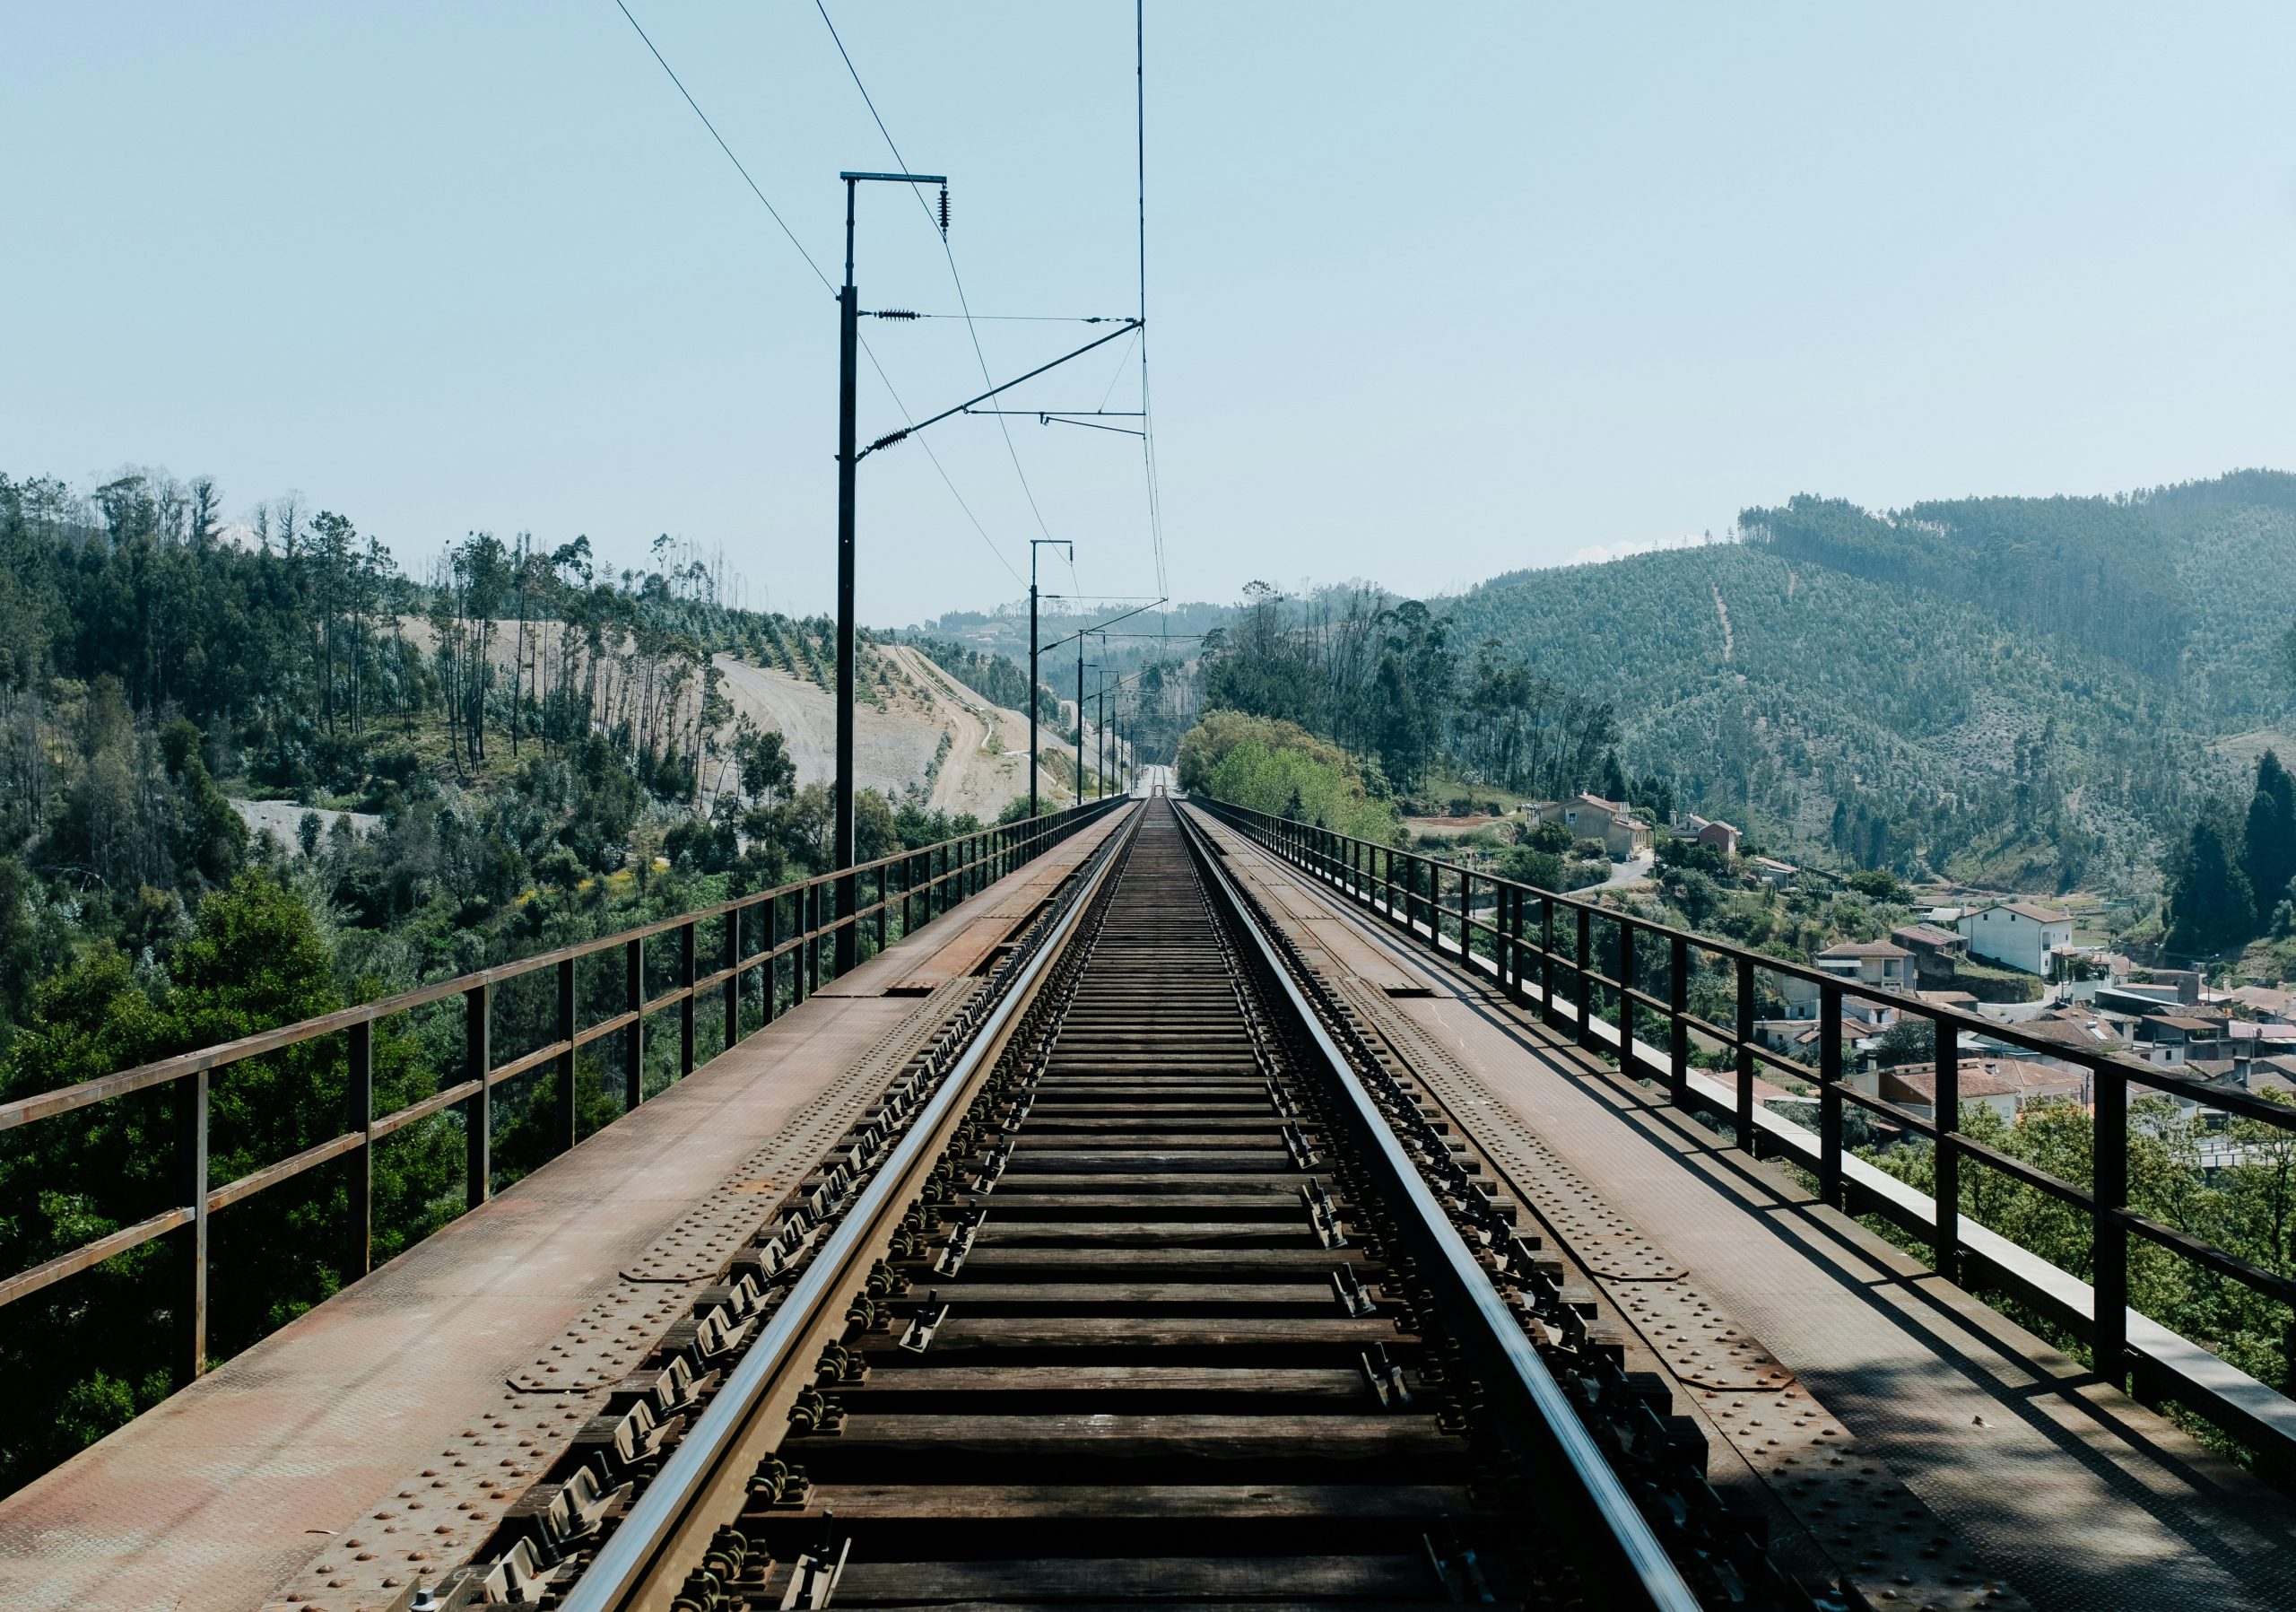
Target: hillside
2014,691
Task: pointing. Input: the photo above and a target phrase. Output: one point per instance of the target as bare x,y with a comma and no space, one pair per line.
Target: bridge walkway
355,1444
2076,1496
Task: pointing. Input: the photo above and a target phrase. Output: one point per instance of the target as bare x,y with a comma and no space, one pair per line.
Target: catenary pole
849,347
849,341
1035,543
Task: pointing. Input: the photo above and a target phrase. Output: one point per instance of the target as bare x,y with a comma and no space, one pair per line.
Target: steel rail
629,1560
1620,1531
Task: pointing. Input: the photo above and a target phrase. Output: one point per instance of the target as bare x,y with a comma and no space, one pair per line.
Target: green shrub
1281,768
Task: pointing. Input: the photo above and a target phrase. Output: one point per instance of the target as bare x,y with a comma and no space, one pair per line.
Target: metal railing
1542,951
787,926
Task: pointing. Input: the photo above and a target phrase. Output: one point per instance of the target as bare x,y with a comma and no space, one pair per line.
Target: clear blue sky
1437,292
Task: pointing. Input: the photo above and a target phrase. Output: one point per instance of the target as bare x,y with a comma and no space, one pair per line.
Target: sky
1434,293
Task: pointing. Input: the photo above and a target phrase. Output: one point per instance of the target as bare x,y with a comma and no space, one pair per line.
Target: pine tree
2268,851
2211,905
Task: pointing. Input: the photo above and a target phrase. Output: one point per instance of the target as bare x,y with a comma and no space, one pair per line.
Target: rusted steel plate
1596,1236
1699,1344
697,1247
1883,1539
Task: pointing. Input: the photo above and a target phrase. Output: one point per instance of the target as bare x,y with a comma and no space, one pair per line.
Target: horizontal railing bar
605,1027
1890,1110
423,1110
294,1163
2031,1175
530,1061
106,1247
2270,1283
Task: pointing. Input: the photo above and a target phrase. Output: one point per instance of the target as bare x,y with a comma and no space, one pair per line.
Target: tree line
1384,679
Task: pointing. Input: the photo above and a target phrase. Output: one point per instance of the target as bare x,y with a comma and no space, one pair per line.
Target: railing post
1585,965
884,870
733,967
633,1036
685,1003
1745,1104
358,1106
478,1114
567,1120
772,967
1678,1033
191,1189
809,943
1829,1093
2109,1195
1549,1008
1626,1003
1467,920
1505,911
1946,1159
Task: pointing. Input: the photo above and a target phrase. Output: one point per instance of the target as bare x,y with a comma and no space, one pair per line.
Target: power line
1140,168
728,150
947,251
818,275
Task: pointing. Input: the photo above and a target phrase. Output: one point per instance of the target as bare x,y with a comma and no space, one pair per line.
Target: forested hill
2008,688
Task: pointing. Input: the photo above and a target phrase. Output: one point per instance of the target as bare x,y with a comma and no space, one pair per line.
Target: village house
2265,1004
1622,834
2006,1085
1873,965
1960,1001
1802,1040
1876,963
1936,953
2248,1041
1772,872
2170,1039
2018,935
1708,831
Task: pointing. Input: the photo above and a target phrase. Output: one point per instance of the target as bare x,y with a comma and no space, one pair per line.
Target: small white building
2017,933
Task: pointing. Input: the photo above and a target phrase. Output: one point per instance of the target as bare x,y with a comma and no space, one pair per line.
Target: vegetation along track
1149,1283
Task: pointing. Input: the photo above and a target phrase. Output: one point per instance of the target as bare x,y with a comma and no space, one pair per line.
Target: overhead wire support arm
1051,419
1085,417
910,430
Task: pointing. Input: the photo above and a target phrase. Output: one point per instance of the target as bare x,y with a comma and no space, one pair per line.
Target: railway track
1148,1282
